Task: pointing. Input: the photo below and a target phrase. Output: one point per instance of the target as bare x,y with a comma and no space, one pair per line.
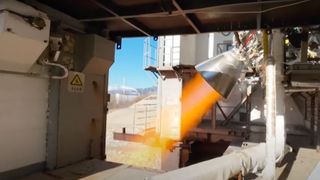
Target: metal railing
169,58
164,54
149,54
144,117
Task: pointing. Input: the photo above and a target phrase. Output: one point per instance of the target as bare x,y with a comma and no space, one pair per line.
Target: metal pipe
270,160
294,90
275,107
278,54
38,75
225,167
65,70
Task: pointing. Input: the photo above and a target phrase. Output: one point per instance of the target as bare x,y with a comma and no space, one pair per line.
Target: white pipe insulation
221,168
270,159
278,54
275,121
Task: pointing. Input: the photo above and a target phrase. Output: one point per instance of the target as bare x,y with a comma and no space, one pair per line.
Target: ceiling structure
127,18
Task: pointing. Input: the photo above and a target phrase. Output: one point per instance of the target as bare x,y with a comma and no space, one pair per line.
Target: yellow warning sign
76,81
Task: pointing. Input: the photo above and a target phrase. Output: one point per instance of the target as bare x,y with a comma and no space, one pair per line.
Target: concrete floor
94,170
299,165
296,166
133,119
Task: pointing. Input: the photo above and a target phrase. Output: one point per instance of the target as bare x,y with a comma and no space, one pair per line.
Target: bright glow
255,114
197,98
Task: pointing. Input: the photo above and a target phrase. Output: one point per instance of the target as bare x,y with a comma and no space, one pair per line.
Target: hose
66,72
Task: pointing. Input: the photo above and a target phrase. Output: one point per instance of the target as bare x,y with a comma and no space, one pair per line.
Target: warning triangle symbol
76,81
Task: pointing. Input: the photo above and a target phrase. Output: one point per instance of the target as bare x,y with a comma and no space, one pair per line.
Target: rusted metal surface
128,137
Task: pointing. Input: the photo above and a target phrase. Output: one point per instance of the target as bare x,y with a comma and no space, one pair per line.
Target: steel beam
222,112
131,23
188,9
234,111
180,10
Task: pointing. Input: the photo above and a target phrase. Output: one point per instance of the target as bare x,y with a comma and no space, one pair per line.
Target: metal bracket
155,38
118,42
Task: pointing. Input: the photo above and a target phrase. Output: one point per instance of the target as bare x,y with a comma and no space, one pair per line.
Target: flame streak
197,98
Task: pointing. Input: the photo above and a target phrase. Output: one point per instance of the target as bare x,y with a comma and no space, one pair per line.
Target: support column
278,54
275,123
269,171
270,168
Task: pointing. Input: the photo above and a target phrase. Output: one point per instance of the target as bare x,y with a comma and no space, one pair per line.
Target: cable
257,12
66,72
31,74
284,6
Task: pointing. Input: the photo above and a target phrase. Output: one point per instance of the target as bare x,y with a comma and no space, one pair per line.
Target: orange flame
197,98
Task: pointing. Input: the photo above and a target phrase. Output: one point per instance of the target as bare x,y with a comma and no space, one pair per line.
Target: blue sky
128,66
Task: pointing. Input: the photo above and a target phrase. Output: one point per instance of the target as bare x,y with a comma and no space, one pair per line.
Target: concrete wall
169,94
23,106
187,49
214,40
77,120
293,115
201,49
190,49
194,49
81,121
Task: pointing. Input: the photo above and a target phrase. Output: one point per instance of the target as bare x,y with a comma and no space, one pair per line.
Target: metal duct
221,72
